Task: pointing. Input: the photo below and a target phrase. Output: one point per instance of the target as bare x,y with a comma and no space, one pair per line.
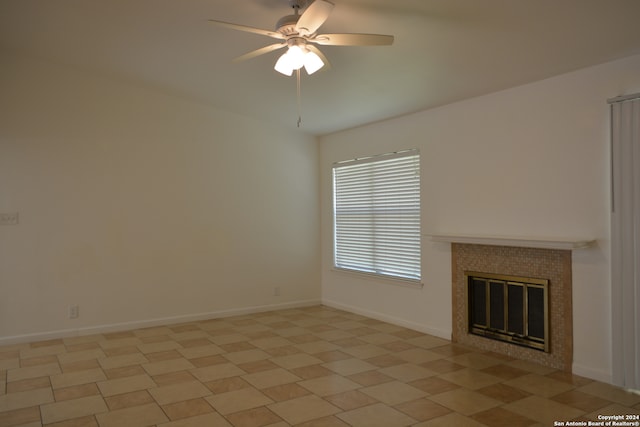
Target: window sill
387,280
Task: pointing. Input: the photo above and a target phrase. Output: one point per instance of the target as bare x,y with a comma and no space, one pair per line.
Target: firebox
509,308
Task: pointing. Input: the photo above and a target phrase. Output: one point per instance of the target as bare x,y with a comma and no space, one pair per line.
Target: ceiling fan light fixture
283,65
312,62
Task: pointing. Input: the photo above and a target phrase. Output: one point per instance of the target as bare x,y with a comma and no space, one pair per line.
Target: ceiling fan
298,32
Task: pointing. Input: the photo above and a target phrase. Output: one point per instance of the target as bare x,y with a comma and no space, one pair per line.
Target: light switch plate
9,218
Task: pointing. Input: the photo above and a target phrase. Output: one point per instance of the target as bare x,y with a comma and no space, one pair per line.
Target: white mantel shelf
523,242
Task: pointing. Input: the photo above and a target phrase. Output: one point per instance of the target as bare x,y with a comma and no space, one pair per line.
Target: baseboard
594,374
138,324
389,319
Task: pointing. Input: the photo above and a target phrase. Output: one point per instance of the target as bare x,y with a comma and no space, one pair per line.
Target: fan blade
260,51
353,40
314,16
327,64
260,31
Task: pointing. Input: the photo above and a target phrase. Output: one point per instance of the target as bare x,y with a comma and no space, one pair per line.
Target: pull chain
298,94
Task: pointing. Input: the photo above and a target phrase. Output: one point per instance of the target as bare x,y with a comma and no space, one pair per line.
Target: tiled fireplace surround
551,264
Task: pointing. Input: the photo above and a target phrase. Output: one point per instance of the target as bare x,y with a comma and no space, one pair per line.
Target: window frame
401,278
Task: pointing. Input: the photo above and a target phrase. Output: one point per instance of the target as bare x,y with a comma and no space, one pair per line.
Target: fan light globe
297,57
312,62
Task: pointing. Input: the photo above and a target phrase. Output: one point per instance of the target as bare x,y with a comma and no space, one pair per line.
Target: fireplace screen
509,308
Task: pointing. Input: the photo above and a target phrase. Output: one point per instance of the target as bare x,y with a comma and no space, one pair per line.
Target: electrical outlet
9,218
74,311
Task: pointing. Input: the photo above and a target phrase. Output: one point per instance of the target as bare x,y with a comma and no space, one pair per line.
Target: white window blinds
377,215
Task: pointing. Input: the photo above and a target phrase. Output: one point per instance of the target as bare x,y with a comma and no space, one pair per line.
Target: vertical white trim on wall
625,236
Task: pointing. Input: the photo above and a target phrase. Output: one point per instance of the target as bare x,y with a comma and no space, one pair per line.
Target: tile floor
304,367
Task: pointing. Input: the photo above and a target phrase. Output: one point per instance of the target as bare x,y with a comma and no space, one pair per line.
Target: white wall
529,161
139,206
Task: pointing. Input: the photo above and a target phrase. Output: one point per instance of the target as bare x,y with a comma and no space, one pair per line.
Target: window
377,215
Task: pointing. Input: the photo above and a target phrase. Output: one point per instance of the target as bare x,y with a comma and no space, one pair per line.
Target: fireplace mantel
522,242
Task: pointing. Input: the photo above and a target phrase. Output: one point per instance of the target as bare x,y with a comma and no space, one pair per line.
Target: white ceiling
444,50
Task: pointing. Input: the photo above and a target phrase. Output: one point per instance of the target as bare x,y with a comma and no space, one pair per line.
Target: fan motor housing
287,25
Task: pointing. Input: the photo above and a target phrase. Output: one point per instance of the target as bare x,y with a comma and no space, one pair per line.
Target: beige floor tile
406,372
543,410
530,367
257,417
422,409
349,366
9,364
202,362
283,392
76,392
539,385
476,360
173,378
33,372
499,417
238,400
216,372
350,400
38,360
226,384
258,366
122,360
579,400
434,385
418,356
319,346
503,393
303,409
88,421
265,343
365,351
179,392
293,361
187,409
428,341
212,419
450,420
121,342
42,351
466,402
506,372
80,355
313,371
385,361
370,378
377,415
125,385
77,378
75,408
393,393
25,399
137,416
158,347
228,338
125,371
378,338
335,355
80,365
442,366
246,356
609,392
203,351
613,409
470,378
274,377
328,385
26,385
127,400
19,417
167,366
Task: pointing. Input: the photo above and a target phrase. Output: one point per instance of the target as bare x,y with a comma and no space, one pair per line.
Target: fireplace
551,265
506,308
